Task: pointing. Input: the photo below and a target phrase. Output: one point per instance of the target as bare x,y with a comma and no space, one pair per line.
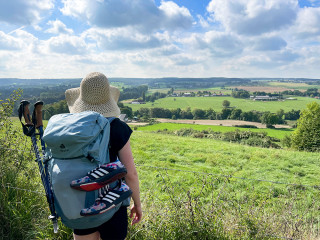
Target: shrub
307,135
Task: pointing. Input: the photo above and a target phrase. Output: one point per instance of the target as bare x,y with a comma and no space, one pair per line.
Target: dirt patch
137,123
229,123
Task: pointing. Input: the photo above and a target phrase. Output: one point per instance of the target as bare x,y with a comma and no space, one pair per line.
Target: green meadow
277,133
191,188
216,103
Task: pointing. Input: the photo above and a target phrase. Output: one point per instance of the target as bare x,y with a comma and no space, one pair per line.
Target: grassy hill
190,189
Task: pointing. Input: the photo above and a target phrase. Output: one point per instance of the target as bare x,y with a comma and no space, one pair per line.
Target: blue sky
157,38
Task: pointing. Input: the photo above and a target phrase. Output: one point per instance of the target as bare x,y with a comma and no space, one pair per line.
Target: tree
126,110
198,114
292,115
235,114
225,113
307,135
226,103
269,119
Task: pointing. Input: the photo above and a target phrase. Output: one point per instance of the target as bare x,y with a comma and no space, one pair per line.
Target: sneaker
108,199
99,177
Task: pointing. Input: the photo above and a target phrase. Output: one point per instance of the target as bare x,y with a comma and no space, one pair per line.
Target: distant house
123,117
137,102
263,98
187,94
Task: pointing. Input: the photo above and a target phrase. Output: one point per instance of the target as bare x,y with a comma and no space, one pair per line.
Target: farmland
216,103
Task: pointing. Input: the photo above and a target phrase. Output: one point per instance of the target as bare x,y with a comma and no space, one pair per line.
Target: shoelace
103,191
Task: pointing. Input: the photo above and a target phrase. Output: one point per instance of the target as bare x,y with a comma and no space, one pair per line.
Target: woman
95,94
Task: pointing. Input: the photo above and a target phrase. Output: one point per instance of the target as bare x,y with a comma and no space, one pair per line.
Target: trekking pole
30,130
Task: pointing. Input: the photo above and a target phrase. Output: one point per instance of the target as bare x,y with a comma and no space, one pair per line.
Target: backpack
77,143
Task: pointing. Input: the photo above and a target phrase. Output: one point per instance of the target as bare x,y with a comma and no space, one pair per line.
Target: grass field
278,133
212,156
216,103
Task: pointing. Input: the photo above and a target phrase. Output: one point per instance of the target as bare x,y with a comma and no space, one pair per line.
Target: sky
159,38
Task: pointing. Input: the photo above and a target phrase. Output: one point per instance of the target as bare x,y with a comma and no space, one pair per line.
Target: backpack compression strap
89,157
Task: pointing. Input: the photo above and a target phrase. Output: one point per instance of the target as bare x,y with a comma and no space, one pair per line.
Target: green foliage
226,103
23,205
240,94
269,119
307,135
133,92
277,133
258,139
56,108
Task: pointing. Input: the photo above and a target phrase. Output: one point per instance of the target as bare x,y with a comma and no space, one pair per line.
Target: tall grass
214,207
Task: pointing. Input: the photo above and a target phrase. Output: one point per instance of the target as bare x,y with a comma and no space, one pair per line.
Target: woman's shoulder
120,125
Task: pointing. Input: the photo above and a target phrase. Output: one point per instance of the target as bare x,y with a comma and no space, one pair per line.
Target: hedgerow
258,139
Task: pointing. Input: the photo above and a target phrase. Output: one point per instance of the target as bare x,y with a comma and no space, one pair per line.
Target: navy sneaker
108,199
100,176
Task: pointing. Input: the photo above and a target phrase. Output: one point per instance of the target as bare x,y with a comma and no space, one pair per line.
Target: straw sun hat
94,94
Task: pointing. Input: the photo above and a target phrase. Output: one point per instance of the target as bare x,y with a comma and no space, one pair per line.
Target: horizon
63,39
276,78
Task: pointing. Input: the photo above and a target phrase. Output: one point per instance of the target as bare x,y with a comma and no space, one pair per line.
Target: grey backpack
77,143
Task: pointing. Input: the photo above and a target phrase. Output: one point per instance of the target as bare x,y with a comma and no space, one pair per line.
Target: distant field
273,86
267,89
278,133
216,103
195,90
297,86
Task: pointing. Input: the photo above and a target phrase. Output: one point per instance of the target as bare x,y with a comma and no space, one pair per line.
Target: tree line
267,118
241,93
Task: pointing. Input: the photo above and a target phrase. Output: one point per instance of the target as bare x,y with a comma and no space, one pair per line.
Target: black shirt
120,133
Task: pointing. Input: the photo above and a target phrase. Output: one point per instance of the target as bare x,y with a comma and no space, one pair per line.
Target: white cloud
273,43
65,44
22,12
142,14
58,27
219,44
308,23
124,39
8,42
253,17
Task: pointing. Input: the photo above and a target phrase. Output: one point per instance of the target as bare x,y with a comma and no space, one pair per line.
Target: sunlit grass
216,104
278,133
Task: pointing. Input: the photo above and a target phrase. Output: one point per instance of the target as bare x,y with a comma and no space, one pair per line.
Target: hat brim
108,109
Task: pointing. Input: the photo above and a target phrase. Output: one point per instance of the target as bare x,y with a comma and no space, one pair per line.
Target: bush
307,135
246,126
243,137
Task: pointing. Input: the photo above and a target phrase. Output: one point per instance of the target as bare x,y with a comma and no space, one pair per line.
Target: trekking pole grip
26,112
38,112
